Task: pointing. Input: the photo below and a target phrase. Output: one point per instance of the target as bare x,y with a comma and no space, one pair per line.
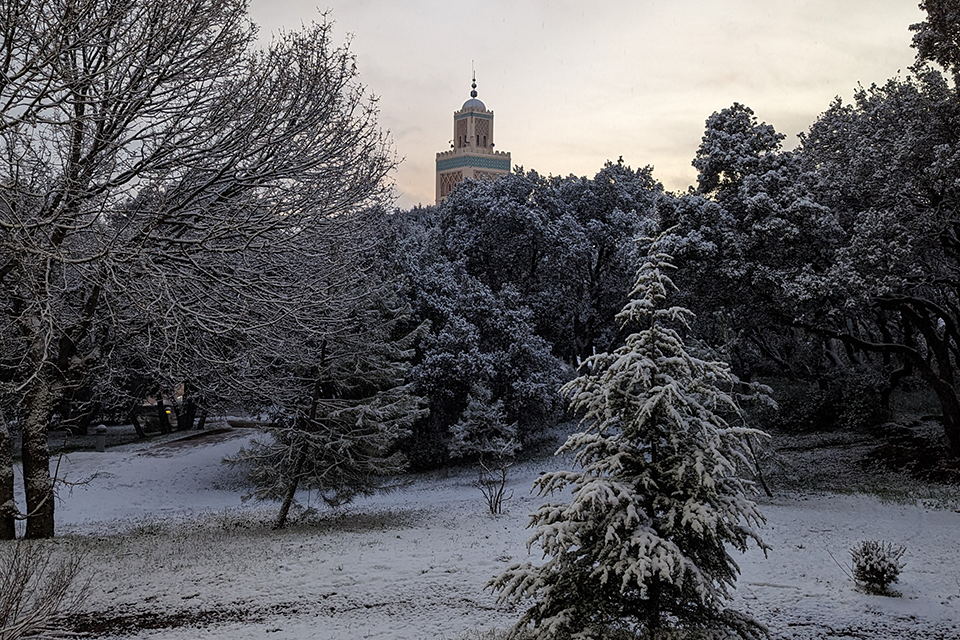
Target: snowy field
174,553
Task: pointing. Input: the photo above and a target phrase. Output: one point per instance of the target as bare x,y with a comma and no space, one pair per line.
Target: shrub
483,433
35,589
876,565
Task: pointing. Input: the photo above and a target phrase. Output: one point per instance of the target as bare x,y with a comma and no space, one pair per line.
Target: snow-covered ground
174,553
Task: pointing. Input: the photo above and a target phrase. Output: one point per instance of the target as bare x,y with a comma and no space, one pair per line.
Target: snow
801,586
171,545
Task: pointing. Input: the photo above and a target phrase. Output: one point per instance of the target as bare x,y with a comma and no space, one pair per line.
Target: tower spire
473,92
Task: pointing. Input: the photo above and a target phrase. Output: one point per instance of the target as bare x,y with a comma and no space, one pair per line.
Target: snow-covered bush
876,565
642,545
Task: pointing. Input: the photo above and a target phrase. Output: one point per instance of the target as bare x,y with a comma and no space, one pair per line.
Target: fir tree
342,441
482,431
640,548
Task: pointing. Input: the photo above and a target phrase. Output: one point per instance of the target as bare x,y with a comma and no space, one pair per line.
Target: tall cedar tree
641,547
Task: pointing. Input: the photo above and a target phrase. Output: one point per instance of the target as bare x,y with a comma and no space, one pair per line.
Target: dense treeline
518,278
835,262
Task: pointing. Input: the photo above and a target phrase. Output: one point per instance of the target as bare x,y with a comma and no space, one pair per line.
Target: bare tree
492,479
37,588
161,185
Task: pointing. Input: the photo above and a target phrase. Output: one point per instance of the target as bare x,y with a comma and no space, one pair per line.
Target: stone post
101,438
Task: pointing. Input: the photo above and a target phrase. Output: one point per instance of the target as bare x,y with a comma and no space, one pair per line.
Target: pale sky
573,84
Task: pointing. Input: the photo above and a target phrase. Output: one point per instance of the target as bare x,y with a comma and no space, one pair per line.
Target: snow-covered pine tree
640,550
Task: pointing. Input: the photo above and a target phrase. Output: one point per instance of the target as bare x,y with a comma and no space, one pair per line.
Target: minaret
472,155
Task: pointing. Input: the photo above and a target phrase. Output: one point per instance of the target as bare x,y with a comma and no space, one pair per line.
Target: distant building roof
473,103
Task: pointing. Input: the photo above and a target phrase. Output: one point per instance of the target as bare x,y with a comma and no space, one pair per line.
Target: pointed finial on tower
473,93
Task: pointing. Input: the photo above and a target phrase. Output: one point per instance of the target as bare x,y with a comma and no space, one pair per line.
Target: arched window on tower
478,140
484,141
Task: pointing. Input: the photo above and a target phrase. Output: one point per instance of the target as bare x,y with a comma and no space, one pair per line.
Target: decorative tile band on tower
472,154
473,114
477,162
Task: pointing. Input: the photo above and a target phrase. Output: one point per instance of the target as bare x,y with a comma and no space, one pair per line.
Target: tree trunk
291,491
893,381
202,420
187,411
162,415
756,467
655,613
135,421
942,384
37,483
186,415
950,407
302,456
8,507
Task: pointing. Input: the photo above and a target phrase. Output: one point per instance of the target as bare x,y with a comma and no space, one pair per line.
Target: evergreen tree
640,548
483,435
482,431
343,440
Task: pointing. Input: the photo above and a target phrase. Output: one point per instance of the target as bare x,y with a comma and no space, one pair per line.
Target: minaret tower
472,155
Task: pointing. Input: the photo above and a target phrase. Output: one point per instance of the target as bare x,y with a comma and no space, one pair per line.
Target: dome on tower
473,103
